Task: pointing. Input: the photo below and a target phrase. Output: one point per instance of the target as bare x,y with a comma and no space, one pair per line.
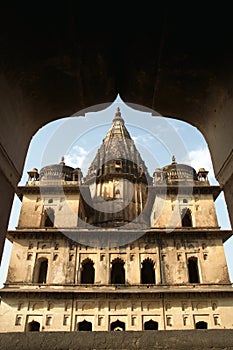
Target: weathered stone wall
65,207
179,340
172,311
64,264
166,212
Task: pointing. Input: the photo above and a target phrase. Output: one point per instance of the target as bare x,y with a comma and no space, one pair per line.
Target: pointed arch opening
41,270
147,272
33,326
117,326
186,217
49,217
118,271
151,325
193,270
7,246
85,326
201,325
87,272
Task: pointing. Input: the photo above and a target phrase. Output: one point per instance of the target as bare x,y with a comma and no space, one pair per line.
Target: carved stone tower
118,174
117,250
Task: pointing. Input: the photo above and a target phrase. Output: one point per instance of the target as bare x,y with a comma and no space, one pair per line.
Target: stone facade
118,249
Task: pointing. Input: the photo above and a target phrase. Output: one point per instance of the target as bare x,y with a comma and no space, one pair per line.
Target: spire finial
62,160
118,112
173,160
118,116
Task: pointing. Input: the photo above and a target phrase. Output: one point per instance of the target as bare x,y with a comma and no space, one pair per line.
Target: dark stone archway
85,326
201,325
151,325
33,326
117,272
147,272
117,326
51,69
87,272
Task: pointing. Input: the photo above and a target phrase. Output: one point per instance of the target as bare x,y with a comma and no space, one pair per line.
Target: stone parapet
172,340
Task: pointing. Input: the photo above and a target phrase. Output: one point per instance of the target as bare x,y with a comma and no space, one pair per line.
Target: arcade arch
97,107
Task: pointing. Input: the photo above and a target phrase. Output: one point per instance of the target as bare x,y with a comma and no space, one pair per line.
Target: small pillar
33,174
77,175
158,175
202,174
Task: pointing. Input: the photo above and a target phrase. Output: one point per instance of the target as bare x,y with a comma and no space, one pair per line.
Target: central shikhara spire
118,178
118,145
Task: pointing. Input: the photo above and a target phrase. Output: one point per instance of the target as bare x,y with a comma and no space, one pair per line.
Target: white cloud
200,158
80,150
144,139
76,157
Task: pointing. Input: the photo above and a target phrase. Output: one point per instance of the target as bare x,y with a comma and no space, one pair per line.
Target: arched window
193,270
147,272
151,326
84,326
49,217
201,325
118,272
41,270
33,326
87,272
186,217
117,326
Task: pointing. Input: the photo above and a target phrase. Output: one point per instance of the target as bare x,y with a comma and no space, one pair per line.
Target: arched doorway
33,326
186,217
118,272
117,326
41,270
85,326
49,217
87,272
42,277
201,325
193,273
147,272
151,325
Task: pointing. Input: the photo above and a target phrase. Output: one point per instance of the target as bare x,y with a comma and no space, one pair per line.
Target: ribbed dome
56,172
177,172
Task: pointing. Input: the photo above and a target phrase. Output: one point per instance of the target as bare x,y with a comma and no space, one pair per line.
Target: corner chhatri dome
178,171
60,171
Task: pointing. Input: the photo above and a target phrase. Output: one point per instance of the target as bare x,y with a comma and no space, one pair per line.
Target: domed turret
202,174
175,172
33,174
57,172
179,172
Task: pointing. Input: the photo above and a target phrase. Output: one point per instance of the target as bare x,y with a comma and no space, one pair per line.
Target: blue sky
157,139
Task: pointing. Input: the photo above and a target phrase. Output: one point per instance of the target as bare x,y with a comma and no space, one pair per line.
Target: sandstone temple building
118,249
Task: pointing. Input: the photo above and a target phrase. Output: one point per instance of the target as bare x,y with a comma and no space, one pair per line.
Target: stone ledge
153,340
